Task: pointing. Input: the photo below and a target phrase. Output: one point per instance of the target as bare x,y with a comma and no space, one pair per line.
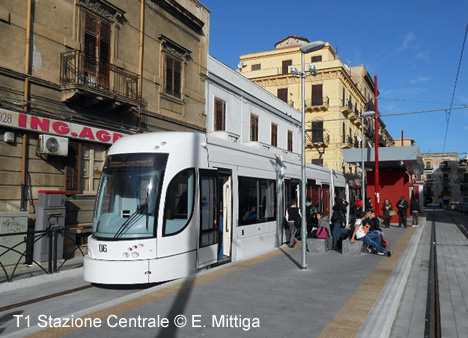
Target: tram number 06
102,247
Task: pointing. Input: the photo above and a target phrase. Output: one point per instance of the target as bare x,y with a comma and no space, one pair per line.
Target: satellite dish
52,145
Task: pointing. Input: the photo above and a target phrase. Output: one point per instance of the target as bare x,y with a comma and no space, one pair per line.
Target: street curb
380,320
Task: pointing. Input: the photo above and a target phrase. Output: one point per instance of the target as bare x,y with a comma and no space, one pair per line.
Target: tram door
225,215
208,229
215,217
291,192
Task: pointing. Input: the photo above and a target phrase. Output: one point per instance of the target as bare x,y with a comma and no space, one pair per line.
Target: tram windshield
129,192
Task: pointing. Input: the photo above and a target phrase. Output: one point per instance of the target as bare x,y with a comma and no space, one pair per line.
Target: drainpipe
23,202
140,60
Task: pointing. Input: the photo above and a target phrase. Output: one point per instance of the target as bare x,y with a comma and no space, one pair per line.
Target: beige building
76,75
442,178
335,98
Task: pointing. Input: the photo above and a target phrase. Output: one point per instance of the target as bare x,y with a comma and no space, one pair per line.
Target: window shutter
253,128
286,64
283,94
274,135
317,95
220,108
73,168
290,140
173,75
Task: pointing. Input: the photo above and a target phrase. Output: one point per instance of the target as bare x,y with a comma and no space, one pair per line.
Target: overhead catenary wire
393,114
449,112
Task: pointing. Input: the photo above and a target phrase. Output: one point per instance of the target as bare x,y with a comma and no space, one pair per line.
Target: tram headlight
126,255
135,254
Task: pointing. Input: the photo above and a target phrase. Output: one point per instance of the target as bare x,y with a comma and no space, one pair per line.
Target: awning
390,158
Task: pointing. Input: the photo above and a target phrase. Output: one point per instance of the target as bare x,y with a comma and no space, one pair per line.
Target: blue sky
414,48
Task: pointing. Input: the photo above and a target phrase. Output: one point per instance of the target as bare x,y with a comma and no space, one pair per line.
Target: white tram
172,203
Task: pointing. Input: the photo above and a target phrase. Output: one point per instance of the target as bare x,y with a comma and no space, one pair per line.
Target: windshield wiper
131,220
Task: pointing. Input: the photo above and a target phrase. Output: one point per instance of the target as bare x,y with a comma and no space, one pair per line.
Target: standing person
361,232
339,219
402,206
386,207
311,211
357,207
293,216
369,205
414,207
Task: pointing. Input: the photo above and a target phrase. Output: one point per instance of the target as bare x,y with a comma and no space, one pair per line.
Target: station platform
363,295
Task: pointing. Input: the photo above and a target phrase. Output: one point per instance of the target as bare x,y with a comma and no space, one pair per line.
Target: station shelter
397,169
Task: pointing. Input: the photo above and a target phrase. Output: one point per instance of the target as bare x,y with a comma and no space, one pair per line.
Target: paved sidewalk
269,296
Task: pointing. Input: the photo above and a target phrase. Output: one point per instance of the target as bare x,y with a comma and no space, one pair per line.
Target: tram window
179,202
257,200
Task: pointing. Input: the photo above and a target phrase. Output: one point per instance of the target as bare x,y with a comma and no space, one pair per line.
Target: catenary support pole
376,147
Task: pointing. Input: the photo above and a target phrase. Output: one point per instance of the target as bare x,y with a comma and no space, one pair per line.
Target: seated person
361,232
373,222
312,224
251,214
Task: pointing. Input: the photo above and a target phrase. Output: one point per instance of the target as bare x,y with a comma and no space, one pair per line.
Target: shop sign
17,120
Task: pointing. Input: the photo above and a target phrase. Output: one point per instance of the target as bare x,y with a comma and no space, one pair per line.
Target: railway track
40,299
433,318
432,321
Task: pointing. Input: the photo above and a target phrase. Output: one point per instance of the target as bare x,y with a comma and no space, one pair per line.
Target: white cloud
407,39
424,56
420,79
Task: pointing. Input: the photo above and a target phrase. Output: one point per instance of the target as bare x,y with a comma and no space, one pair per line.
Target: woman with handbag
388,213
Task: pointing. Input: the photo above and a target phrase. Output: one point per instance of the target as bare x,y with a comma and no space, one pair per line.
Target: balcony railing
81,70
317,136
317,102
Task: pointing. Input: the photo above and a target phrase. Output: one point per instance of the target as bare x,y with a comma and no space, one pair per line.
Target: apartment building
76,75
443,177
334,99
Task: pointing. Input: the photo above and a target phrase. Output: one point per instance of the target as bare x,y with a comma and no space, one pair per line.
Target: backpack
322,233
383,242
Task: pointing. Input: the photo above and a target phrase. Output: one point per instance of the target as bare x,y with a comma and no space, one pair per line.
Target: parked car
453,205
462,206
434,205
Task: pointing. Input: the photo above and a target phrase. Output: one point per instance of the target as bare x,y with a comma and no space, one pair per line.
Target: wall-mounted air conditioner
53,145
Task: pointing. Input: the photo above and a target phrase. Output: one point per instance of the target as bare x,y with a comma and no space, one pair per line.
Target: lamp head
294,71
367,113
312,69
312,46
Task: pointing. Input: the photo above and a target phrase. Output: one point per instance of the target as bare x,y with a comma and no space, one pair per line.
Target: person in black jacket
339,219
293,217
414,207
402,206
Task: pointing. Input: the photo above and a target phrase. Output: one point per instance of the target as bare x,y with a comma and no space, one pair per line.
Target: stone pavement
268,296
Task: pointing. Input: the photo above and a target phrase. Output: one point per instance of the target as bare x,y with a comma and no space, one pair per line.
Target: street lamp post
305,49
363,170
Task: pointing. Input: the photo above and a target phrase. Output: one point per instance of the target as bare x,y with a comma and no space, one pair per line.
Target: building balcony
317,104
349,142
317,138
97,81
347,109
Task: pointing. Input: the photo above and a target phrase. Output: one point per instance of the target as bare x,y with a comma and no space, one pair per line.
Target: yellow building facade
335,98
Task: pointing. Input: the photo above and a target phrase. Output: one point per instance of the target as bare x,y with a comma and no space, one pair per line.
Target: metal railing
317,136
78,69
318,102
24,257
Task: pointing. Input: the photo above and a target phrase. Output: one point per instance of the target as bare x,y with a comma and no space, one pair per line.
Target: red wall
393,185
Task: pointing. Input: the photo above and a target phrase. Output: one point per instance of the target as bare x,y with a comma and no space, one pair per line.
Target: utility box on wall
50,213
10,223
